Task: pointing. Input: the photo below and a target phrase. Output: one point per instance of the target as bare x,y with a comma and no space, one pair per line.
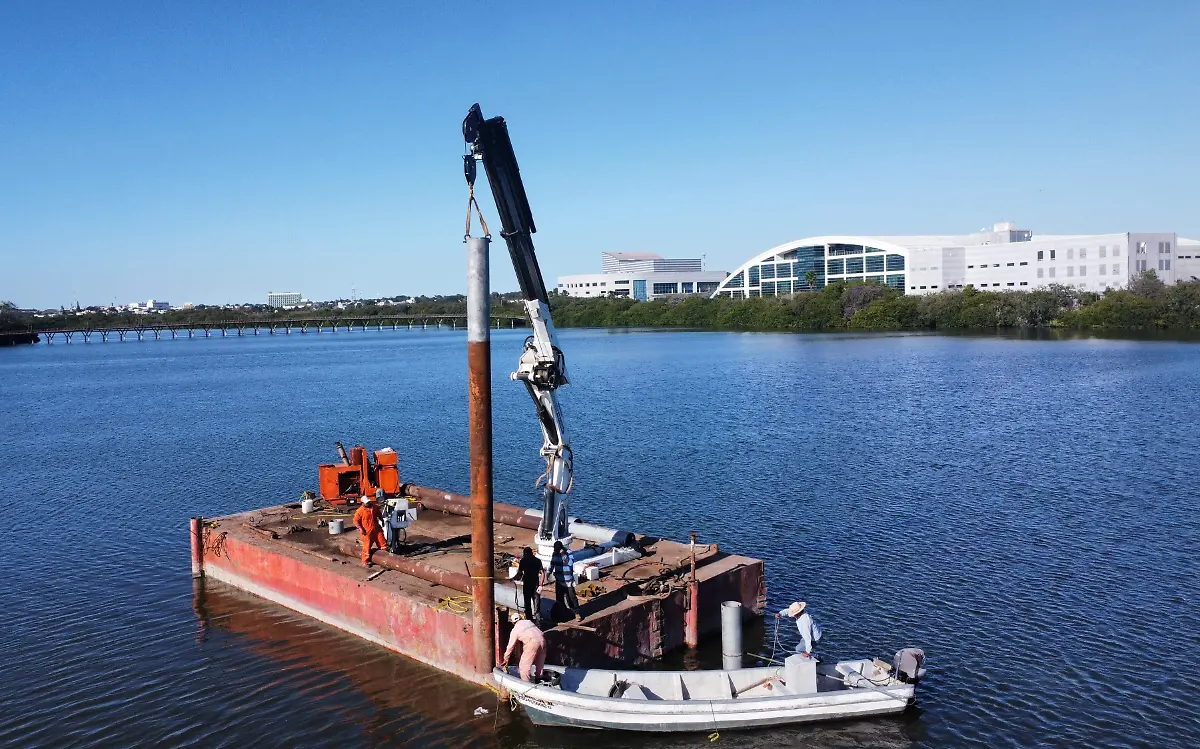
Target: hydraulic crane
542,367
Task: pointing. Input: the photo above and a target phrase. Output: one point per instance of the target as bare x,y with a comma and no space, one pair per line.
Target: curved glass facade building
809,264
1002,258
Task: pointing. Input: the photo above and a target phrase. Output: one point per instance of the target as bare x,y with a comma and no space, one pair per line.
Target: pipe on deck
519,517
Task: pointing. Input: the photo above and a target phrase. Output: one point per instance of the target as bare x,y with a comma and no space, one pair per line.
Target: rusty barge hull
639,614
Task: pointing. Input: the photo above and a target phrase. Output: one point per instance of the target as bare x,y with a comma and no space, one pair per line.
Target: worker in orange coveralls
370,524
529,637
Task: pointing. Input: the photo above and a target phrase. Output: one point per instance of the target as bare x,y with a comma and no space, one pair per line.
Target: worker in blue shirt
810,631
562,566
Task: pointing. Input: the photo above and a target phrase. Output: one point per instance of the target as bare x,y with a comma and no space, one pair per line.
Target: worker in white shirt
810,631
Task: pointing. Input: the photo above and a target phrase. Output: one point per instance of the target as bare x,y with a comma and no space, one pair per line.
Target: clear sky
210,152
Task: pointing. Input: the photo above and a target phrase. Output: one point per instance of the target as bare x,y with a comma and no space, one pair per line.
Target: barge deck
632,615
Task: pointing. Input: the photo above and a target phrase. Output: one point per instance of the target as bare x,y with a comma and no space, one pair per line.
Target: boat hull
550,707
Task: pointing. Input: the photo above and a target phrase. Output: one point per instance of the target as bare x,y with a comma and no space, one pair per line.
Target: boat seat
588,682
711,685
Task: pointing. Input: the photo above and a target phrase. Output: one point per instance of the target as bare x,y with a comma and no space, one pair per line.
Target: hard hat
366,498
514,616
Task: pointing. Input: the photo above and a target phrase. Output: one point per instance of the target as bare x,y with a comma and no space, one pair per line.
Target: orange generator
356,476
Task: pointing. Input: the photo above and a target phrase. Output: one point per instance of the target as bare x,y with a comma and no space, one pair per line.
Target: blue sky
209,152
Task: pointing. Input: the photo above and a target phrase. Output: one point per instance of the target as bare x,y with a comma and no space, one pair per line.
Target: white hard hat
514,616
366,498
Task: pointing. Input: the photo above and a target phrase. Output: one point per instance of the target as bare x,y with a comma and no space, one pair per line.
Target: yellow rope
454,604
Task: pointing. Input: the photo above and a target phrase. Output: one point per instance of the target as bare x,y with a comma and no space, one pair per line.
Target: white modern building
151,305
284,298
644,276
1003,258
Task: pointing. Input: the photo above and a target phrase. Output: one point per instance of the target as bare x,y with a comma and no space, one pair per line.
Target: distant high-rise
284,298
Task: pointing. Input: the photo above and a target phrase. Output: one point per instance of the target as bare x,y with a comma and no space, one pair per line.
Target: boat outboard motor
909,665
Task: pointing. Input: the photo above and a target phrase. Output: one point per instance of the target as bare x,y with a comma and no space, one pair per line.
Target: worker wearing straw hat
810,631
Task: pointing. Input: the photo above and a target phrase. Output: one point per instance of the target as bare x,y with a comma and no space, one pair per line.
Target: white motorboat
801,690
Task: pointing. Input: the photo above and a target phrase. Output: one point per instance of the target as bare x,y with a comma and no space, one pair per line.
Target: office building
644,276
283,298
1003,258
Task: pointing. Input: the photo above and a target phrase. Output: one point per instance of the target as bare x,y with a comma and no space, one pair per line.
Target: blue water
1026,511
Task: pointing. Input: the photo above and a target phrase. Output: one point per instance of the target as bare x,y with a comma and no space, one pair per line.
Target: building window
995,284
1070,253
1103,251
1116,251
604,283
1083,253
896,281
837,267
707,287
768,272
1083,270
783,287
1010,265
933,287
1024,263
1141,248
1040,272
1010,283
1103,269
922,287
845,249
996,265
875,264
1041,254
686,287
754,275
854,265
1116,269
970,266
1167,264
895,262
1052,273
1051,254
626,283
1024,283
1070,270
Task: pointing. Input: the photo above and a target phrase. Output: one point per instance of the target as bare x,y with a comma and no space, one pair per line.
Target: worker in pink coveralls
533,647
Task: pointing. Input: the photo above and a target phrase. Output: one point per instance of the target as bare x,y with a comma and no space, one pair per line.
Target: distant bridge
237,328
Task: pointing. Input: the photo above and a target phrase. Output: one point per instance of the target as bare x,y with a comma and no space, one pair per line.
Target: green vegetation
1149,304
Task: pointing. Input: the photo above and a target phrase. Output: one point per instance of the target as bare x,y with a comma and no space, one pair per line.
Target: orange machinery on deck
356,476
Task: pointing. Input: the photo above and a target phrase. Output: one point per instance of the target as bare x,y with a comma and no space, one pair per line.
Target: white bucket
592,573
335,526
306,506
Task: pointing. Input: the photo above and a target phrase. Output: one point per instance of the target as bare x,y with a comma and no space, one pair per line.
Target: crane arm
542,367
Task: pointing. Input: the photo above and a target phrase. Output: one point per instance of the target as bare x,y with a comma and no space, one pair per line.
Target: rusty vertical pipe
479,386
691,615
197,533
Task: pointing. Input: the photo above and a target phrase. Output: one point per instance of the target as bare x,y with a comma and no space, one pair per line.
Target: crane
542,367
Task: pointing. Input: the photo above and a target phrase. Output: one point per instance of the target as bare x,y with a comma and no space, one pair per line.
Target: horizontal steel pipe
520,517
456,504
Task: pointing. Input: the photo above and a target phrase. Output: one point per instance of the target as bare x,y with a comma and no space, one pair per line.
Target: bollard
197,532
731,635
691,614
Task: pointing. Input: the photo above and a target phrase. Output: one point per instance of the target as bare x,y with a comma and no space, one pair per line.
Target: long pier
239,328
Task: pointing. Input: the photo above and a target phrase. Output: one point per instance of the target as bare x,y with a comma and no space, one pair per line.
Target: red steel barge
415,603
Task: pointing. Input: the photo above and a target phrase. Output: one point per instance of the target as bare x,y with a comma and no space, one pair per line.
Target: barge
416,603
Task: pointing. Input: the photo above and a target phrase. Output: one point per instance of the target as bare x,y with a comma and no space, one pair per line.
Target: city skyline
203,156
